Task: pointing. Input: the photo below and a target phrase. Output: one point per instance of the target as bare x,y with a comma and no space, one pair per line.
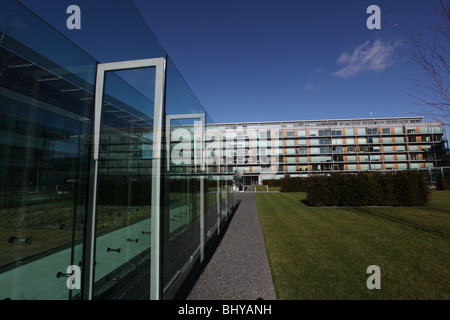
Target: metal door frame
158,123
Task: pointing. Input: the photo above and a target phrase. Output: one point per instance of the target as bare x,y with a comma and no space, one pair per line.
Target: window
364,158
336,132
375,157
386,130
351,141
324,141
290,151
402,166
338,149
390,166
290,142
325,132
372,130
325,150
361,131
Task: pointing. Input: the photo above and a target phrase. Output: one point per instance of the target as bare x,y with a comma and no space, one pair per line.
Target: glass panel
46,86
124,184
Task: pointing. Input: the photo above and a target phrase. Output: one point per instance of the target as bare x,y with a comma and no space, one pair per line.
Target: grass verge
323,253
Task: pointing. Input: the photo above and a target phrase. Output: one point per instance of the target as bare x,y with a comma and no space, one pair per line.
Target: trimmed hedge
404,188
273,182
443,183
293,184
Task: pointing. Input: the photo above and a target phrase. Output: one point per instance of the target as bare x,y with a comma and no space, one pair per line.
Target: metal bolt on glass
28,240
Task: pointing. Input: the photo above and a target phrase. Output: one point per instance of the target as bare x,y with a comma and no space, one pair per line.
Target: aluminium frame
160,64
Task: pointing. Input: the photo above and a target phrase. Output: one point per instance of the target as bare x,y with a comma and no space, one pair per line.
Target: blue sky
292,59
270,60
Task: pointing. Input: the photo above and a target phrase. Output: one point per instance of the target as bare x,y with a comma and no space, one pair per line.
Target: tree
433,59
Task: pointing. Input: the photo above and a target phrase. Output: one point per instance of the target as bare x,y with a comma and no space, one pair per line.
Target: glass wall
46,111
79,227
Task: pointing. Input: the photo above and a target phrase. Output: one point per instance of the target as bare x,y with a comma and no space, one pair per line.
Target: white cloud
367,57
313,80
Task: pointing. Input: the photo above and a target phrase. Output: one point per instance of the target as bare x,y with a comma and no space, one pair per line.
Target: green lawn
264,188
323,253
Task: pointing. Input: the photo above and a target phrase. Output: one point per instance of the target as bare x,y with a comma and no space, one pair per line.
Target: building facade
272,150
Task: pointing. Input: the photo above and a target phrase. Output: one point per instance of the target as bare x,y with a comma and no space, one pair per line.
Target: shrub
443,183
273,182
318,191
293,184
404,188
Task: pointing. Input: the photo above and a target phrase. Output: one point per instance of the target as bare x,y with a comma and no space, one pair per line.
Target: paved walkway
238,268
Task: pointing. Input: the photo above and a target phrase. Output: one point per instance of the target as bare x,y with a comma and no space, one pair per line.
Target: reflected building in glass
89,206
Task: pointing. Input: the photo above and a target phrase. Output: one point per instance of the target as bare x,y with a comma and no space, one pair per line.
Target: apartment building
272,150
